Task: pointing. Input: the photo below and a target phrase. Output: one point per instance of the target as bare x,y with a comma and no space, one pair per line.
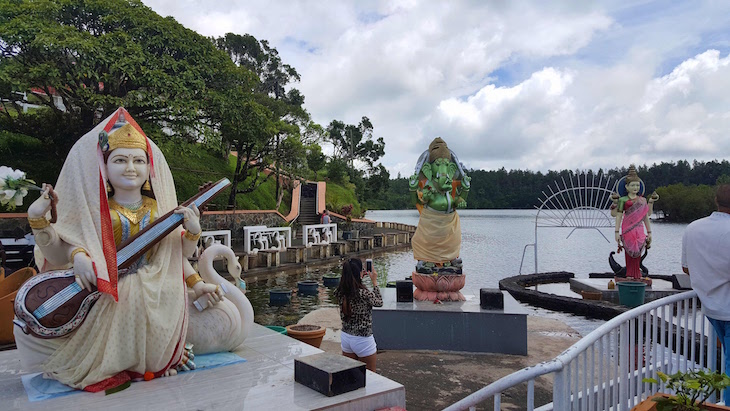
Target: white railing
208,238
319,233
259,237
604,370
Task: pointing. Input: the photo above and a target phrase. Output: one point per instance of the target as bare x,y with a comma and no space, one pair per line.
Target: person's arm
685,266
374,297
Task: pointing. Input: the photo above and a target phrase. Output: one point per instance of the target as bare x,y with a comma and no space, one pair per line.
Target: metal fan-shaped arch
582,202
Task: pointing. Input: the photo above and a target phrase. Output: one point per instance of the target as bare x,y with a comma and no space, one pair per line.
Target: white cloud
531,84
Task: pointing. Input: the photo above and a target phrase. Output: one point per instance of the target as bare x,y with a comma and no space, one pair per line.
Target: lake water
493,242
491,249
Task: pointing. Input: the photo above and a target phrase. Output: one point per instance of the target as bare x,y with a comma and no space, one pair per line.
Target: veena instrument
52,304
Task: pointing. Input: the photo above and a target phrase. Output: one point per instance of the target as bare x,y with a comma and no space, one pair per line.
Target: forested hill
519,189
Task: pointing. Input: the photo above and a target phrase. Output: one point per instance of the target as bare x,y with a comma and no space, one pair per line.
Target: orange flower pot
306,333
650,405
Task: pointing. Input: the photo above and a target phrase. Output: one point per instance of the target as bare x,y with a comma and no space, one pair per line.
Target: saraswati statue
633,226
121,243
441,186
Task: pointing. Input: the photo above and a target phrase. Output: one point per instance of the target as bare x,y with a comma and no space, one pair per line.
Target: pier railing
604,370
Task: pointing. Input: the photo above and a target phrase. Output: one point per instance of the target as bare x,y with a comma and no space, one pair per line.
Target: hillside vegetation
191,164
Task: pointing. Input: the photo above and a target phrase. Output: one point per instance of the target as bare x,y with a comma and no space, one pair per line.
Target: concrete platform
451,326
659,288
264,382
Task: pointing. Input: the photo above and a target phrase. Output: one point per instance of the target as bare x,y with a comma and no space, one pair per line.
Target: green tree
355,142
316,160
683,204
376,185
249,129
278,144
81,59
337,170
258,56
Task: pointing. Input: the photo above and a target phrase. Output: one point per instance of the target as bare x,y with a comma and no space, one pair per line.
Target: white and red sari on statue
138,325
633,235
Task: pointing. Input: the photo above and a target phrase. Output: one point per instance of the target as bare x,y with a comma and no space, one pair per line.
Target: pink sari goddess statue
632,216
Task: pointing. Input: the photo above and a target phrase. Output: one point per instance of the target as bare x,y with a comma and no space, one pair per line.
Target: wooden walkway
264,382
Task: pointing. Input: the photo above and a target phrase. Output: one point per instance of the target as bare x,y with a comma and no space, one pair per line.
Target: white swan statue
223,326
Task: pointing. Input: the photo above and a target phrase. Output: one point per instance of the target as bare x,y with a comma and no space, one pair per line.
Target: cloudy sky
517,84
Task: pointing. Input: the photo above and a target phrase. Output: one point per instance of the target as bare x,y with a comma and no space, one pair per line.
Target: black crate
491,298
404,291
329,374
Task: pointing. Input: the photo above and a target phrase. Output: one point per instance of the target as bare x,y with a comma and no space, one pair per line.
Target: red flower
149,376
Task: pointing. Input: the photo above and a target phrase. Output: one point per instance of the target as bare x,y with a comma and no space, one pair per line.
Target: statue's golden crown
438,149
632,175
127,137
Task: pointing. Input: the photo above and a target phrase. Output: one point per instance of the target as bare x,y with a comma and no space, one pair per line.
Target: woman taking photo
356,311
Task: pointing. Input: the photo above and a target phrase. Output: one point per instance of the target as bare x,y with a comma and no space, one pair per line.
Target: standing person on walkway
325,217
706,259
356,311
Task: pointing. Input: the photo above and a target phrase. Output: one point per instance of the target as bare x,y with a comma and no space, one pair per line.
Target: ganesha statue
441,186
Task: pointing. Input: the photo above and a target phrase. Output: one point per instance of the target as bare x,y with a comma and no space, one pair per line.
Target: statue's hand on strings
84,271
191,218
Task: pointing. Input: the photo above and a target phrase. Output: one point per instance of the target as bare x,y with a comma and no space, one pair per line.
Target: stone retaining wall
16,225
236,220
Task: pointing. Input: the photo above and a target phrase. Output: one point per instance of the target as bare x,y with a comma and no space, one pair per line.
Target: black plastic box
491,298
404,291
329,374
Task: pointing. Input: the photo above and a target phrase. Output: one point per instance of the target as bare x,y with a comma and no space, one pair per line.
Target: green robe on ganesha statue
442,186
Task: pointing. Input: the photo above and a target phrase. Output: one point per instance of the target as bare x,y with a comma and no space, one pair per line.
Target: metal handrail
617,381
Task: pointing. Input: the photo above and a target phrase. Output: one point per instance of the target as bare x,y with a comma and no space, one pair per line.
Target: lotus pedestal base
444,287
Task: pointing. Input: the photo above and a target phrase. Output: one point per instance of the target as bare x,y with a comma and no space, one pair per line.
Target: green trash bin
631,293
280,330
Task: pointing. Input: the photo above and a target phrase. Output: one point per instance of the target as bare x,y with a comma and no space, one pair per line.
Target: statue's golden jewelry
76,251
192,237
134,216
38,223
147,186
109,188
193,279
127,136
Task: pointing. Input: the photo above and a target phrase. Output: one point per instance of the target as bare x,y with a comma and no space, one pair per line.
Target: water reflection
301,304
492,245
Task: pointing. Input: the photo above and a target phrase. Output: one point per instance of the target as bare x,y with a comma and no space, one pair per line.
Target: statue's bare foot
170,373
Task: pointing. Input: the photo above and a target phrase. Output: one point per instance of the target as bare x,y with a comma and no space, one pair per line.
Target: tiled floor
264,382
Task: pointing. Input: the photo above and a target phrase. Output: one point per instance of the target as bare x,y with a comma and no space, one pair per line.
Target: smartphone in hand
369,265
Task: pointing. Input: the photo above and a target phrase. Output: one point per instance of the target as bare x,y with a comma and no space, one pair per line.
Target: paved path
434,380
